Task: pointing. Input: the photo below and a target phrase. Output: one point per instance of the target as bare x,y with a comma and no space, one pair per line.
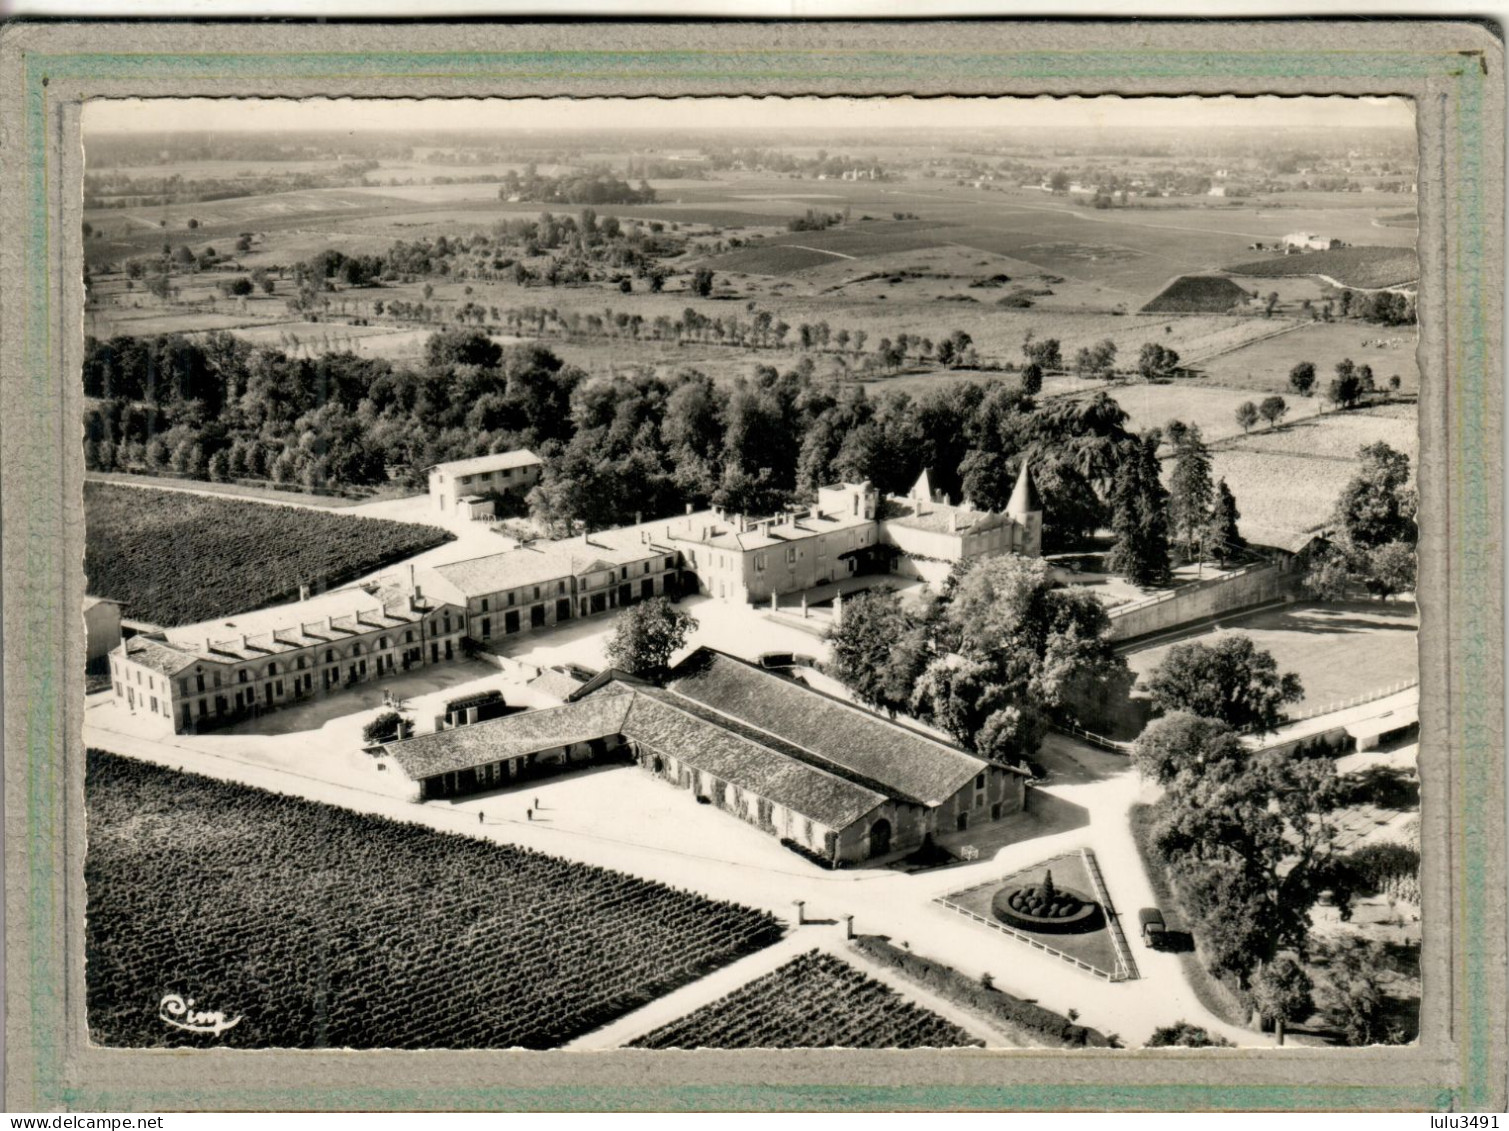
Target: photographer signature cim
175,1011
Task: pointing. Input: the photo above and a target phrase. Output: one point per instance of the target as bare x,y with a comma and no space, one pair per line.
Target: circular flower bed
1045,908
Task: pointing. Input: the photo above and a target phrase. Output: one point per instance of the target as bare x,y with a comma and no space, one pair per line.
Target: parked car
1154,930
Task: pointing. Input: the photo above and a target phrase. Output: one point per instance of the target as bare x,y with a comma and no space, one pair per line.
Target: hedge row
1036,1022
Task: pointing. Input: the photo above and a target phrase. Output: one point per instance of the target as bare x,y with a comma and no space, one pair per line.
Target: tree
1377,506
1044,353
1190,491
1302,378
1032,379
1391,569
1059,181
1345,389
874,654
1273,409
1281,993
219,467
1222,539
1139,516
388,726
1182,1034
1350,994
1156,361
647,635
702,282
1231,680
1183,743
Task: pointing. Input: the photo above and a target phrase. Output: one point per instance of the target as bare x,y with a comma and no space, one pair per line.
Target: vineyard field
174,558
317,927
814,1001
1350,266
1198,294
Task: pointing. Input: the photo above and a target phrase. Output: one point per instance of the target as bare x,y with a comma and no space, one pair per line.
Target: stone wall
1256,585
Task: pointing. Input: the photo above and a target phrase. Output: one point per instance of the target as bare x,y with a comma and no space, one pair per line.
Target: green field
1339,652
318,927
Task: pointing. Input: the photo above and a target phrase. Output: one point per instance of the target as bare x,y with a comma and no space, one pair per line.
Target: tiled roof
558,685
498,461
904,763
659,722
540,562
158,655
328,617
931,516
527,732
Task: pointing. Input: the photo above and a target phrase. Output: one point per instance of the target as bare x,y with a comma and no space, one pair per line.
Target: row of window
511,599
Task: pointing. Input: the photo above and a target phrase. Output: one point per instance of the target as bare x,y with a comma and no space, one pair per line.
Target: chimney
953,522
638,517
688,510
209,645
411,575
330,623
243,641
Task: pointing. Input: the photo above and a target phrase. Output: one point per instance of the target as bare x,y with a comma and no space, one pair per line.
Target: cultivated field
814,1001
1199,294
1280,496
1338,435
322,928
1339,652
1364,267
175,558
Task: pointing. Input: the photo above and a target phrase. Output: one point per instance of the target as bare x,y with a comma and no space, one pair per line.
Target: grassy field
323,928
1339,652
1350,266
174,558
815,1001
1280,495
1264,365
1338,435
1211,408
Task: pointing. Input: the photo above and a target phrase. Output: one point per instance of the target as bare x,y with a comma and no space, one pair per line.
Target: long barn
827,777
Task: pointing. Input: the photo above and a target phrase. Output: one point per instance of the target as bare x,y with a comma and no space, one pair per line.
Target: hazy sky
1109,113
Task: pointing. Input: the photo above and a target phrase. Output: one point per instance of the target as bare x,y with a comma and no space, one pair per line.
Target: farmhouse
467,487
205,675
827,777
1309,241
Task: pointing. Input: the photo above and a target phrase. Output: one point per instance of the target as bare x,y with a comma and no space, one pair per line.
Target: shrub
1040,1023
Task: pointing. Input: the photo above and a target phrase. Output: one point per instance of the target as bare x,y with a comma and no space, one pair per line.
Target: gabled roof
827,732
495,740
1024,497
159,655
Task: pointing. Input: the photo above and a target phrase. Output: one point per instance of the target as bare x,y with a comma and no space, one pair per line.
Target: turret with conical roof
1026,508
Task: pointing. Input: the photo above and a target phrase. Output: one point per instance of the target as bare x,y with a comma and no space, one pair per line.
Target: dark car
1154,930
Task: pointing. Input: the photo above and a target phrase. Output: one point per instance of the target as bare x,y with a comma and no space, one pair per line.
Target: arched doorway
880,837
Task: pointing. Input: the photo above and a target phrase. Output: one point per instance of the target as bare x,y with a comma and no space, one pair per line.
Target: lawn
1339,652
174,558
318,927
1264,366
1094,948
814,1001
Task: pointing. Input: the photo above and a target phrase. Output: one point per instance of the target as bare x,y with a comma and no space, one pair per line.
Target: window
199,681
623,573
484,604
560,587
183,687
408,636
118,690
356,649
979,781
217,679
272,668
299,663
241,676
330,655
487,627
670,563
790,555
822,547
759,563
154,704
510,600
646,567
382,641
536,592
279,686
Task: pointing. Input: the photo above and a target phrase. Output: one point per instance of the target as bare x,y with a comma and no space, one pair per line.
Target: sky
1109,114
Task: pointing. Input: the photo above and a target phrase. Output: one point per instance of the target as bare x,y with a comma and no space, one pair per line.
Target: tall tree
1190,490
1222,539
1139,516
1302,378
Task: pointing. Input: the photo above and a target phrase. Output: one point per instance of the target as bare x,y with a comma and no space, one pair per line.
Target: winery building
826,777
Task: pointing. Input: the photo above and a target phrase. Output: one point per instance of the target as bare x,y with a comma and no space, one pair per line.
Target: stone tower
1026,510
